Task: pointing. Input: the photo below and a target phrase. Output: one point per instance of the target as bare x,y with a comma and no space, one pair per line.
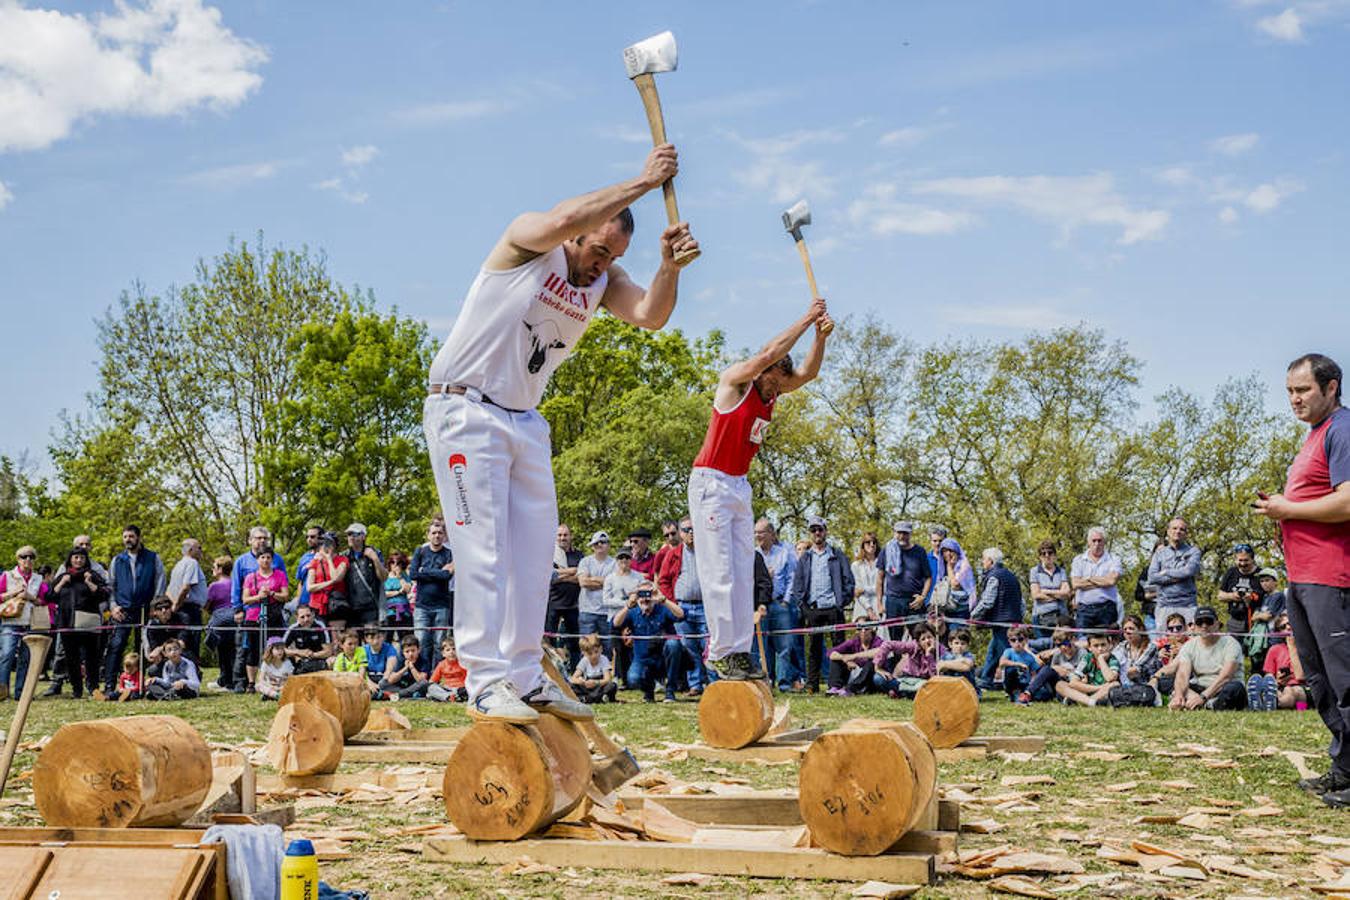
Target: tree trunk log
503,782
121,773
735,714
947,709
343,695
864,785
305,739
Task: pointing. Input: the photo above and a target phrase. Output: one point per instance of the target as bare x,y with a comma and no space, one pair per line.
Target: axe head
614,772
655,54
796,216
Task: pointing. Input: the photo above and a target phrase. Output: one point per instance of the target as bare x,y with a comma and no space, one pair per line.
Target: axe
794,218
617,765
38,645
642,60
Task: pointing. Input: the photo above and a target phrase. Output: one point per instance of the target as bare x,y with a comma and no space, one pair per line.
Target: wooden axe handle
810,273
38,645
603,745
651,103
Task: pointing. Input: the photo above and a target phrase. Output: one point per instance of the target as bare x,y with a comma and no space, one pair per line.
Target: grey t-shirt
618,587
1206,662
187,571
592,600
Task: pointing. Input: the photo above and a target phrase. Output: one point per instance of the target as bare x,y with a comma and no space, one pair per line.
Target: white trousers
724,538
495,480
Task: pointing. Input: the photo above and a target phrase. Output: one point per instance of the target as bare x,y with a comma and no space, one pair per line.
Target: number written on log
490,793
866,802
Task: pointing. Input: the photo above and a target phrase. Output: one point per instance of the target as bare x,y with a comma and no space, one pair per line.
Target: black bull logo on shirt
543,338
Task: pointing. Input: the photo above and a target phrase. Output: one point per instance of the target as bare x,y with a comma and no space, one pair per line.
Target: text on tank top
515,328
735,436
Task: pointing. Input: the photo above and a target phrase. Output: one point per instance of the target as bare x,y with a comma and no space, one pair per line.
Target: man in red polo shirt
719,493
1314,517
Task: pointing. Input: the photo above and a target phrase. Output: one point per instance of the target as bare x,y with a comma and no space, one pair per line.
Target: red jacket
668,570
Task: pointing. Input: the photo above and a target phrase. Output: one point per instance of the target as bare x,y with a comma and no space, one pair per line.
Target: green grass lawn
1077,803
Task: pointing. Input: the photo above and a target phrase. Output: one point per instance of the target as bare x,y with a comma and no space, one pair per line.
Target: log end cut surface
498,782
304,740
343,695
947,710
857,791
735,714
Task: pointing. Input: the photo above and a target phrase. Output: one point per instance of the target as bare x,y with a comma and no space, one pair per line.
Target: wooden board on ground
660,856
410,736
436,752
981,747
776,808
790,746
348,781
115,864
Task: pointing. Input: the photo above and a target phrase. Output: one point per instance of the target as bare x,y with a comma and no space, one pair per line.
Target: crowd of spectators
881,620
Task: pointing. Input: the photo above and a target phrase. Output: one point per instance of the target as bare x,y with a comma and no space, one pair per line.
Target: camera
644,595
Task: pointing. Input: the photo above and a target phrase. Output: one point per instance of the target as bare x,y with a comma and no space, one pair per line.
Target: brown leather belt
436,390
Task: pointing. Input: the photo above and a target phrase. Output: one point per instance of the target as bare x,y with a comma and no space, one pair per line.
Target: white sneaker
498,702
548,697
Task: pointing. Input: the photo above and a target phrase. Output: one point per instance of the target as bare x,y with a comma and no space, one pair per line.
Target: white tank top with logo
515,328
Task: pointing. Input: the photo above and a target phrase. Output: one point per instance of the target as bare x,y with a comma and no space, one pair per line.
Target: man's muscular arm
811,367
533,233
736,376
650,308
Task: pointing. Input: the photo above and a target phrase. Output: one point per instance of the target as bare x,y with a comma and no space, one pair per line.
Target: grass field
1070,815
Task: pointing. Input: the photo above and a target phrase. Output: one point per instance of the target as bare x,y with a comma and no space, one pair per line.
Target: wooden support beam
437,752
410,736
1008,743
659,856
772,808
761,753
962,753
347,781
793,737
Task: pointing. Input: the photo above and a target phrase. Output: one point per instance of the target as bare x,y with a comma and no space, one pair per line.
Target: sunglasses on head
1243,548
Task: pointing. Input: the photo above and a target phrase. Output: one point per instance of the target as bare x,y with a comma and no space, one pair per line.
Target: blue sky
1174,174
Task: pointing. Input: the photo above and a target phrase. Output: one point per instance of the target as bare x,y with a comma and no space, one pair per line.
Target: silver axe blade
795,217
656,54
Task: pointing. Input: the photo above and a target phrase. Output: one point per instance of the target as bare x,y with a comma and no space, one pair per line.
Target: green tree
351,446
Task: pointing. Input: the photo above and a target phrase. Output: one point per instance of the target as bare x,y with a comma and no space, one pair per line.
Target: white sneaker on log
498,702
548,697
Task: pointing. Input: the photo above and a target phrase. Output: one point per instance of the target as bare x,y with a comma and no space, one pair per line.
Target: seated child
1281,686
447,679
178,677
1059,662
593,679
958,660
406,681
381,658
1018,665
902,667
129,682
1094,676
274,669
351,655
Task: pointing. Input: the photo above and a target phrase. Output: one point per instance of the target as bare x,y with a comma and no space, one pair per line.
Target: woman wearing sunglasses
22,590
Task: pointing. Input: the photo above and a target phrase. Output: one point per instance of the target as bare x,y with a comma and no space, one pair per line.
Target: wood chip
1016,884
691,879
1039,863
1198,821
1102,755
1180,785
982,826
1183,872
884,890
1261,812
1219,764
1016,780
1228,865
1117,855
1121,787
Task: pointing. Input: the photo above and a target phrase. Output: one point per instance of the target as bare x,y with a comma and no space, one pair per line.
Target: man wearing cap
1209,668
1314,518
719,491
165,624
645,562
1241,589
532,299
1272,605
619,586
903,574
591,574
821,588
365,581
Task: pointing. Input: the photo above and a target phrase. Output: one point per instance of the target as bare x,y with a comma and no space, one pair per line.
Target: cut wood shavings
1121,787
1040,863
1015,780
1199,748
1229,865
1180,785
1117,855
1183,872
523,865
982,826
1261,812
1219,764
1328,840
1014,756
1016,884
1102,755
690,879
1198,821
884,890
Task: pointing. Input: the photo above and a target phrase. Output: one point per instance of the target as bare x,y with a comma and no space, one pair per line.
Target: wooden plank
424,752
949,815
343,781
798,735
21,869
939,843
1008,743
658,856
766,753
760,808
962,753
127,839
122,873
409,736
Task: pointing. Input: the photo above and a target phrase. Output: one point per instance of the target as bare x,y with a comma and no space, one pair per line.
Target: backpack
1131,695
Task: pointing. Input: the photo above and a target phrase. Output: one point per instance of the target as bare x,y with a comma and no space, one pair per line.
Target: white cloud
1234,144
340,187
1068,202
356,157
910,135
774,170
1034,316
1261,199
454,111
234,175
1228,215
1287,26
157,58
6,195
879,212
1177,176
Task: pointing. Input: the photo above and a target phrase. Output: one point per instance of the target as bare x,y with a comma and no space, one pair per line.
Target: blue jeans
643,671
998,642
13,657
1098,615
694,622
431,626
786,666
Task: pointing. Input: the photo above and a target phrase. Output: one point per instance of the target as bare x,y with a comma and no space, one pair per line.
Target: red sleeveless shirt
734,436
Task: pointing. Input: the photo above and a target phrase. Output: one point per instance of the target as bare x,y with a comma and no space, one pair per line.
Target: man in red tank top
1314,517
719,493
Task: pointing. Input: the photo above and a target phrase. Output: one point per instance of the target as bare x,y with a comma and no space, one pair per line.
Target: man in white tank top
490,451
